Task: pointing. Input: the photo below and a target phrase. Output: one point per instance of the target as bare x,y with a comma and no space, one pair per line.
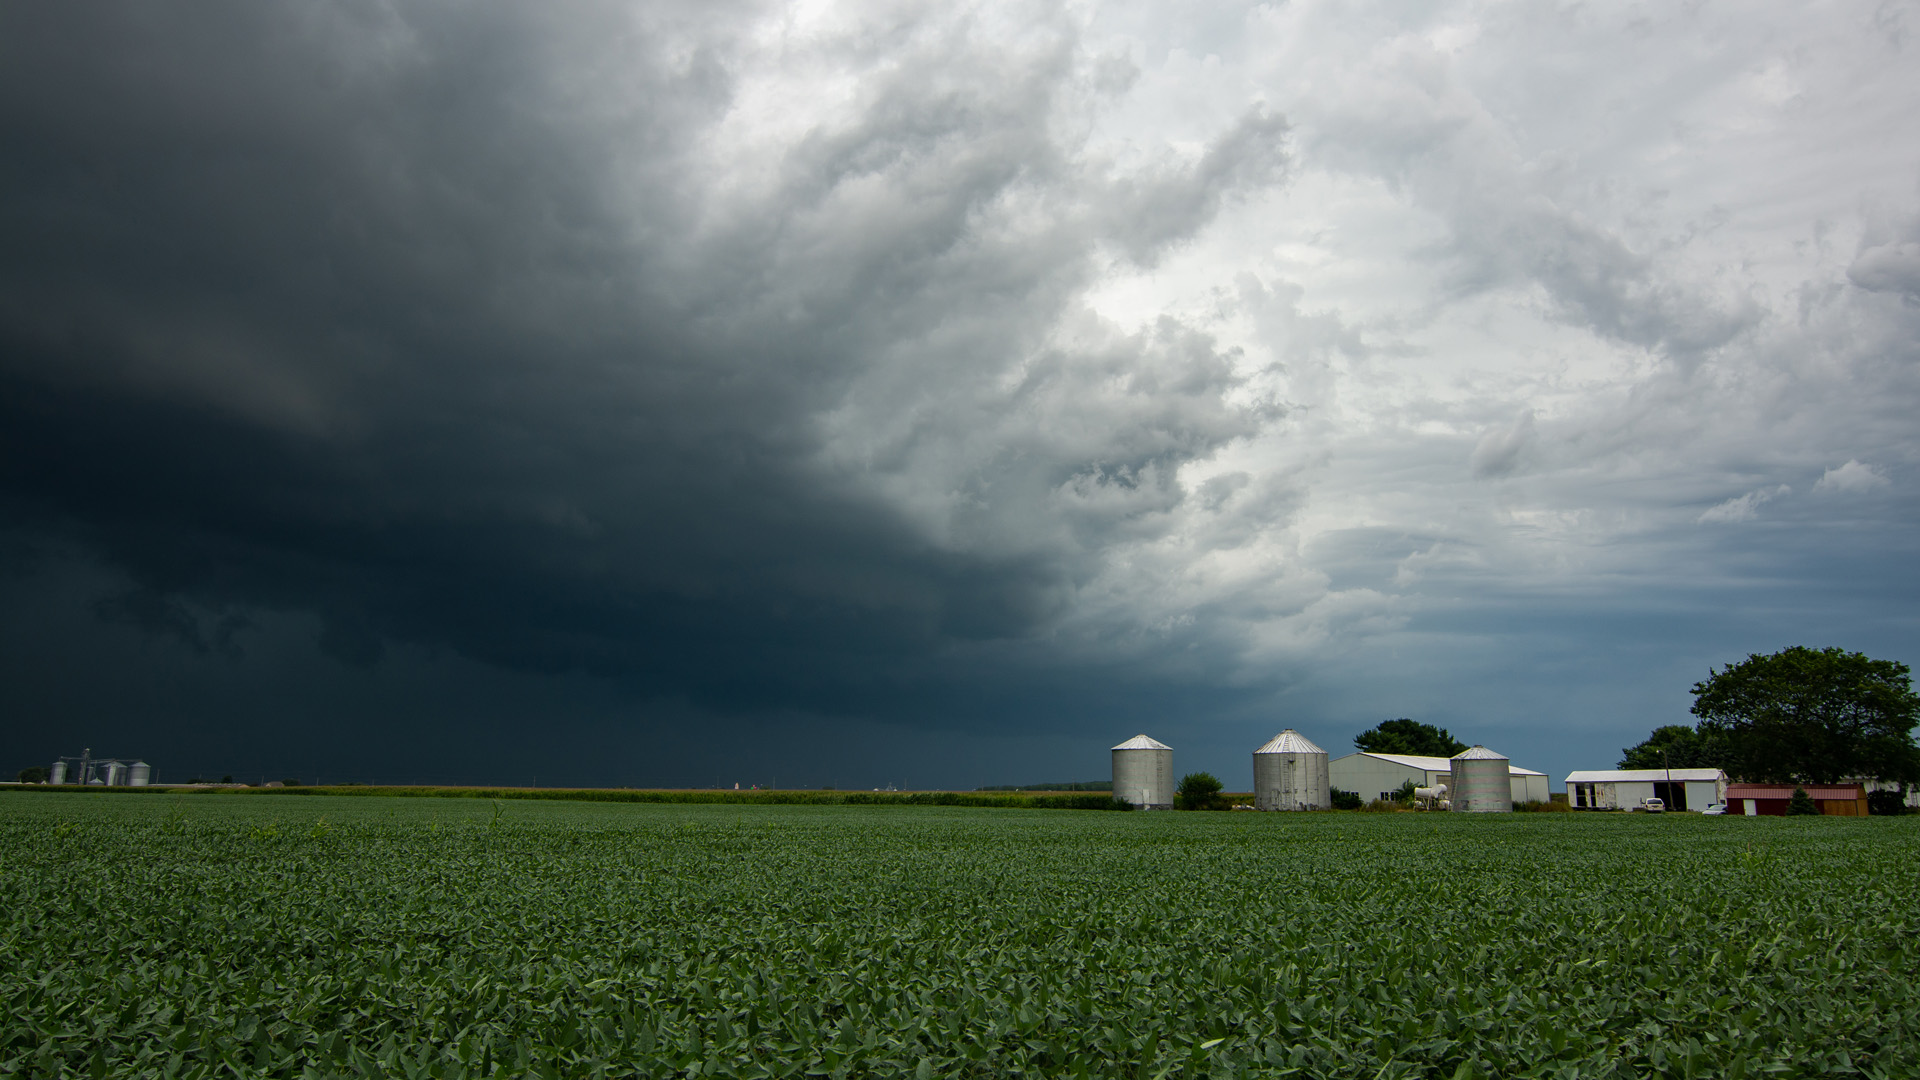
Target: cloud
1742,507
664,344
1849,478
1501,451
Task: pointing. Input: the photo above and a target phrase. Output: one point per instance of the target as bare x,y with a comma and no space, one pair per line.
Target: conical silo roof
1479,753
1289,742
1143,742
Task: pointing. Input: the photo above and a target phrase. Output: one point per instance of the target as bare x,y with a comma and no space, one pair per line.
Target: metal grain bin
58,774
139,774
116,774
1290,773
1143,773
1481,782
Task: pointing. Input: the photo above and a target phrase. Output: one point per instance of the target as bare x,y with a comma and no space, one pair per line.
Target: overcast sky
938,393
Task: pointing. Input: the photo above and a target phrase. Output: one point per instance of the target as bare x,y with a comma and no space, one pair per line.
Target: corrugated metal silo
1143,773
1480,783
139,774
58,774
1290,773
116,774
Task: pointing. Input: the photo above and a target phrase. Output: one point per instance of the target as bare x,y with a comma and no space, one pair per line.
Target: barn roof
1785,791
1433,764
1609,776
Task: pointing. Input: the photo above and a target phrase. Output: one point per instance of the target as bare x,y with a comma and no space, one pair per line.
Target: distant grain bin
116,774
1290,773
1481,782
58,774
139,774
1143,773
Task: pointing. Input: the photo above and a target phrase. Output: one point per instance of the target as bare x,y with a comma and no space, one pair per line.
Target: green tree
1801,804
1199,791
1812,716
1346,800
1404,736
1673,745
33,774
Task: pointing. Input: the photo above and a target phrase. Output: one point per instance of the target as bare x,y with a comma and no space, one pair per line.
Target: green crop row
174,936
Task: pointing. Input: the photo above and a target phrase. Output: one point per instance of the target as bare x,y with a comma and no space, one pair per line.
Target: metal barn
1629,789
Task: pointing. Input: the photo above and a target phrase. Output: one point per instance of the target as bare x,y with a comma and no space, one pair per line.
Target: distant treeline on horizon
1073,785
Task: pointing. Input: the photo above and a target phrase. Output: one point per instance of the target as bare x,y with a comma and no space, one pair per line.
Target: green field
171,935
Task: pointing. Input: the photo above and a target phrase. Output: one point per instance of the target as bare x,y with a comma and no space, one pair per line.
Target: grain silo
58,775
1481,783
1290,773
1143,773
116,774
139,774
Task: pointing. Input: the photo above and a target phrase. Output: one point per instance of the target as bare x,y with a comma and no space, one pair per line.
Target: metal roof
1435,764
1785,791
1289,742
1609,776
1479,753
1143,742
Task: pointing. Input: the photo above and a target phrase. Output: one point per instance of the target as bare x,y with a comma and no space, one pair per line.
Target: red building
1756,800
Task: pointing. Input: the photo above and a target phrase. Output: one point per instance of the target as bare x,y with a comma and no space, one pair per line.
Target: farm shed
1628,789
1375,776
1770,800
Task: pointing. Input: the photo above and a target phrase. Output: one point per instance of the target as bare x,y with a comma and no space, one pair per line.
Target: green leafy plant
1200,791
1801,804
944,941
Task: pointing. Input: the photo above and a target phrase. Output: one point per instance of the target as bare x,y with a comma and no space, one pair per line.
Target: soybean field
208,935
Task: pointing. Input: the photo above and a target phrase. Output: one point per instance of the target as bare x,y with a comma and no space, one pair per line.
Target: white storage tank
1290,773
116,774
139,774
58,774
1481,783
1143,773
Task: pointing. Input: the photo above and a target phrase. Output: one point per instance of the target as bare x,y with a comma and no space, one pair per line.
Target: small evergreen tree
1801,803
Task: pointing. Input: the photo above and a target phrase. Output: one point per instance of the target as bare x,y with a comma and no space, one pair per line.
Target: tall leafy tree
1404,736
1674,745
1812,716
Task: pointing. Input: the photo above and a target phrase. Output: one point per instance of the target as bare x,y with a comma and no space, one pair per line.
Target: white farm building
1629,789
1376,776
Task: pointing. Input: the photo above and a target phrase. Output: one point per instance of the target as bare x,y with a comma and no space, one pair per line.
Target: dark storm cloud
440,323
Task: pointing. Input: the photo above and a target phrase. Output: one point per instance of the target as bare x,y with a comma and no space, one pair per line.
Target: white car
1654,806
1716,809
